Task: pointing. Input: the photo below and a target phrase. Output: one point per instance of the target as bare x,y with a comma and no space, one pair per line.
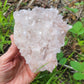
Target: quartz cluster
39,34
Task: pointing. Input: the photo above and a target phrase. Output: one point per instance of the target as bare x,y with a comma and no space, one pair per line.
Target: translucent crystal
39,34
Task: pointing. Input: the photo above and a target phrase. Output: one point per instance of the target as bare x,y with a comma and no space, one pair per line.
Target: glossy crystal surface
39,34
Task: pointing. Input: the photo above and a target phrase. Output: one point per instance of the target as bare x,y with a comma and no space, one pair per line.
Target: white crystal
39,34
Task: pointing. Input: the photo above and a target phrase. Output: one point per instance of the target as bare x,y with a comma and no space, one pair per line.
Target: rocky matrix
39,34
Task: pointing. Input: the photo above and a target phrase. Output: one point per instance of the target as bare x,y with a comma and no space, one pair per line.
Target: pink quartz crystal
39,34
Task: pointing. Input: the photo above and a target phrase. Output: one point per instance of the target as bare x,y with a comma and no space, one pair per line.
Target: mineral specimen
39,34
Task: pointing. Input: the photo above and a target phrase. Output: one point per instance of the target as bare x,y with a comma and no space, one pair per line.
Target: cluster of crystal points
39,34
